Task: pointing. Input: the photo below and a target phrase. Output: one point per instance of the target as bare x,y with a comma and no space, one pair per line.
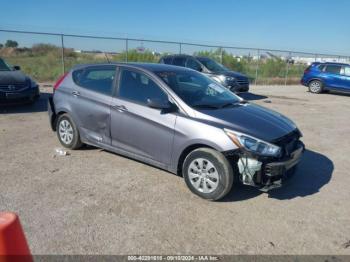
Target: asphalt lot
96,202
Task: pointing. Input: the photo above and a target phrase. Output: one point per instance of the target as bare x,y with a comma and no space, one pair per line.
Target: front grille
289,142
12,87
242,81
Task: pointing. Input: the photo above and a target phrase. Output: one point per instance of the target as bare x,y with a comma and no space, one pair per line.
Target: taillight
307,70
59,81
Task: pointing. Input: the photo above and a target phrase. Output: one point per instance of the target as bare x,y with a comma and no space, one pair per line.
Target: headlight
253,144
219,78
230,78
33,83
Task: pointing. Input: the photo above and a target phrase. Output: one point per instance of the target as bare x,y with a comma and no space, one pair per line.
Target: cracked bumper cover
272,171
279,168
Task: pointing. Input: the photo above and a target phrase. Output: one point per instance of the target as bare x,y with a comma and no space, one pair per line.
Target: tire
208,173
67,132
316,87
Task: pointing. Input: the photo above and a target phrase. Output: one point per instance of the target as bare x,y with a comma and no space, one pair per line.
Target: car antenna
107,58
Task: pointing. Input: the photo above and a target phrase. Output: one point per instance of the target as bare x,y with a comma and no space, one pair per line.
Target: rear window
99,80
333,69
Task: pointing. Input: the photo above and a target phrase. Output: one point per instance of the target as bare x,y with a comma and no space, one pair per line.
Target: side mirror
16,68
159,104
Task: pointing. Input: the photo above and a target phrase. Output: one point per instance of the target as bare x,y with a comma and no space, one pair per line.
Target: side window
99,80
193,64
346,70
321,67
166,60
138,87
179,61
333,69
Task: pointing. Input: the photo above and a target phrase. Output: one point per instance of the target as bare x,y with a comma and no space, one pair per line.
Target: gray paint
155,137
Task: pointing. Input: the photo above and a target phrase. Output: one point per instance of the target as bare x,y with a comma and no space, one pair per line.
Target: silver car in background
176,119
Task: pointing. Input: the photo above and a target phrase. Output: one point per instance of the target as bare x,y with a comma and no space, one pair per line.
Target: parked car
321,77
15,86
234,81
176,119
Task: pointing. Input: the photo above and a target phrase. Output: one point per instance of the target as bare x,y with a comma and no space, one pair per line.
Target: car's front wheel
316,87
67,132
208,173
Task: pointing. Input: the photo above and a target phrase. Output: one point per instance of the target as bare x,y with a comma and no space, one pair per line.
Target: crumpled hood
12,77
250,119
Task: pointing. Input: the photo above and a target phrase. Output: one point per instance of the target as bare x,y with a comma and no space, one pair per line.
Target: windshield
212,65
4,66
197,90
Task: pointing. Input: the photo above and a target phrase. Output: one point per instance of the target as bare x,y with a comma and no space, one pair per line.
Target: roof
177,55
148,66
331,63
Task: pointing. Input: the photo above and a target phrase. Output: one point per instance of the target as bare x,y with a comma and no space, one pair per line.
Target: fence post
221,55
62,55
126,49
287,69
180,48
257,67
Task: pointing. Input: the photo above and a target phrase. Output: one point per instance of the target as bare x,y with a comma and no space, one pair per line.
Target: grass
43,63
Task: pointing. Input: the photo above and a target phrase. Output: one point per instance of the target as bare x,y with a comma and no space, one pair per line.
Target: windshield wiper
205,106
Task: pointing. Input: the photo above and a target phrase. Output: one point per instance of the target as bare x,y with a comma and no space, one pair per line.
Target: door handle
75,93
120,108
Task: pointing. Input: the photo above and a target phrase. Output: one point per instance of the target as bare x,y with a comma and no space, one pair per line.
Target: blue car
321,77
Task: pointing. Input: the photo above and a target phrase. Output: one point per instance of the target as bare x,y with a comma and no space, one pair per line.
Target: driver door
137,128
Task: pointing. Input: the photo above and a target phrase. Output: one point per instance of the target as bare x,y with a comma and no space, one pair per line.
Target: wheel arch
185,153
316,79
54,118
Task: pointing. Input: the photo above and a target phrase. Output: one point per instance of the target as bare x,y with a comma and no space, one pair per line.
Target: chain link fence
45,56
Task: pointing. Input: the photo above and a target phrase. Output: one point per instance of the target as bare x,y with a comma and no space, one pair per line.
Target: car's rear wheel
208,173
67,132
316,86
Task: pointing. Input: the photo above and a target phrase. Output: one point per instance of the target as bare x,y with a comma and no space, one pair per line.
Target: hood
250,119
12,77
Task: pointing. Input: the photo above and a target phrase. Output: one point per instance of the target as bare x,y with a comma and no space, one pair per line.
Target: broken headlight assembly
253,144
249,167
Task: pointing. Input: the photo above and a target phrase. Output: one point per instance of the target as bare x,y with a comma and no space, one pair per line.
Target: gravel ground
96,202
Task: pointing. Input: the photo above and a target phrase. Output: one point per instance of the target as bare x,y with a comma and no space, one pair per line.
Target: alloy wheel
315,87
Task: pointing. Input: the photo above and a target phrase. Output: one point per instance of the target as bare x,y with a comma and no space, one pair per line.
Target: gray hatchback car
176,119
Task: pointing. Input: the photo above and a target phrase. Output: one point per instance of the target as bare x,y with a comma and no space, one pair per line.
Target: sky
318,26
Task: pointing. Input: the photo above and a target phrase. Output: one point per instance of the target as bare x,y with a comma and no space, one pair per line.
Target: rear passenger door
137,128
332,76
93,94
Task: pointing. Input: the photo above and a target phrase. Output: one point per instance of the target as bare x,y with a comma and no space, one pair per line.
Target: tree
11,43
1,45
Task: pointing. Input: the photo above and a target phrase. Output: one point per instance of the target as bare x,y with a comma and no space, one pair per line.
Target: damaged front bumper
266,173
